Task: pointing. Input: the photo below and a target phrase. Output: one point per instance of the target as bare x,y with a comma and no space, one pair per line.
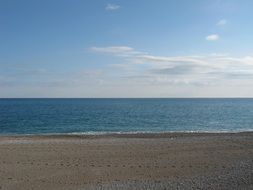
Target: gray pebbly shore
238,178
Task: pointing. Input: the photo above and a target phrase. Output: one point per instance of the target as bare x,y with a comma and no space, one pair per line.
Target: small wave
96,133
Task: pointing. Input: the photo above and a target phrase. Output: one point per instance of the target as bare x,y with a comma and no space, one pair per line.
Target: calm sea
42,116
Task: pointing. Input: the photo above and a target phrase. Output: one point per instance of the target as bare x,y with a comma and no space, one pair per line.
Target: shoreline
147,134
127,161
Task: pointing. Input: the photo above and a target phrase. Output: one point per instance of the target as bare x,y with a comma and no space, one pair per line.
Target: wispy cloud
116,50
187,70
112,7
184,59
212,37
112,49
139,75
222,22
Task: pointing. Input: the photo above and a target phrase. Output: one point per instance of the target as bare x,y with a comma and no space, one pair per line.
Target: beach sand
136,161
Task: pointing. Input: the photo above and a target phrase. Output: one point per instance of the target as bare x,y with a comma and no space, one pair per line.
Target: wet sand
137,161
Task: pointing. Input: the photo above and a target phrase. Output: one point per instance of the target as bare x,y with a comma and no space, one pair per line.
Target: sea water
96,116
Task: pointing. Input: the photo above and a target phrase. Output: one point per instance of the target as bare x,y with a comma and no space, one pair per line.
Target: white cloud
142,75
222,22
184,59
116,50
213,37
112,49
195,69
111,7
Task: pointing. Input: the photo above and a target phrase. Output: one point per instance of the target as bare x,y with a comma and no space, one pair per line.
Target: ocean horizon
20,116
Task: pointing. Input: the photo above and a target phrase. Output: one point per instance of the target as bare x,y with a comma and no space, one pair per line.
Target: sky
126,48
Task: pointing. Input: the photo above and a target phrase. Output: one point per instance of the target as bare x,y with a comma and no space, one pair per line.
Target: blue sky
133,48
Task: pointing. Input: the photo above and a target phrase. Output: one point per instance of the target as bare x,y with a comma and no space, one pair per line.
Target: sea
135,115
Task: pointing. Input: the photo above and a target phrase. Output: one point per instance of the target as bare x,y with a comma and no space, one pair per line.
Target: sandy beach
136,161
